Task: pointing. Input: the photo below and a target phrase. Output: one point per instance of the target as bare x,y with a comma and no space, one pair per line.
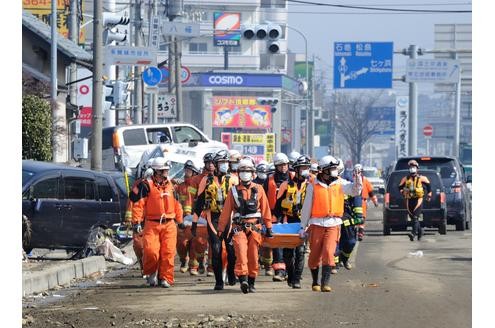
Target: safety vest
184,190
246,208
216,194
327,201
415,187
353,210
273,189
161,201
294,198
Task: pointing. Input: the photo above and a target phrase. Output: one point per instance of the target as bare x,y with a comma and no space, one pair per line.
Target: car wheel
26,234
442,229
386,230
460,226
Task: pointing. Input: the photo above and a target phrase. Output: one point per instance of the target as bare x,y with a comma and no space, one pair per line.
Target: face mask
245,176
305,173
413,170
234,166
334,173
262,176
223,167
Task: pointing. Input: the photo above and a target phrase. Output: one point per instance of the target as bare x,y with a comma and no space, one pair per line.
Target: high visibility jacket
353,211
328,201
292,198
186,193
159,203
231,206
413,185
272,189
213,193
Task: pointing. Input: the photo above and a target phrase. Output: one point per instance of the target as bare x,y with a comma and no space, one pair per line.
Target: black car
62,205
454,179
120,181
395,215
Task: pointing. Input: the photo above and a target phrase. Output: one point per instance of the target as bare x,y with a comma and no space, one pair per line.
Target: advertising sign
166,106
258,146
85,116
363,65
402,125
42,10
240,112
227,28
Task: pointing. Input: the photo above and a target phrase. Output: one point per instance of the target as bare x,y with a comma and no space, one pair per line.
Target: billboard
227,28
42,10
257,146
240,112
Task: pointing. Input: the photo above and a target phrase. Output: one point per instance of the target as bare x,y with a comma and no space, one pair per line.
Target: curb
39,281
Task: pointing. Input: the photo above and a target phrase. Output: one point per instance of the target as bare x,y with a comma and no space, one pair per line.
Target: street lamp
308,150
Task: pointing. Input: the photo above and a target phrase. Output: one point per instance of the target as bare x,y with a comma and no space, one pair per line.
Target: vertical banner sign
402,125
227,28
42,10
269,146
240,112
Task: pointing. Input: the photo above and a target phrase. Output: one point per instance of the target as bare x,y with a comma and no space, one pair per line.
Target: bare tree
351,120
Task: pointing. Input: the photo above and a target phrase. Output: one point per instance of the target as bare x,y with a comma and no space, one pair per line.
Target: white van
123,146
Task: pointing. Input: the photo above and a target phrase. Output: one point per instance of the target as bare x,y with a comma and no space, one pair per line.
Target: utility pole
154,102
174,10
457,135
138,84
311,119
73,36
178,80
97,122
413,108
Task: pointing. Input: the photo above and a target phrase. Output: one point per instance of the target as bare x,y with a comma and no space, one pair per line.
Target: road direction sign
428,131
433,70
152,76
127,55
363,65
180,29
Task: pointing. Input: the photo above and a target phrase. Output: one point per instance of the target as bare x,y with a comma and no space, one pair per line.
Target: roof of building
64,45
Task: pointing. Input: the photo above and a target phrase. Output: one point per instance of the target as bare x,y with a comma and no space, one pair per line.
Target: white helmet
149,163
280,158
340,167
160,163
234,155
314,167
246,164
264,162
327,162
293,156
358,167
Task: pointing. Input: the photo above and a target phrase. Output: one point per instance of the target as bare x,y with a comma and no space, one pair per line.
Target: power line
376,8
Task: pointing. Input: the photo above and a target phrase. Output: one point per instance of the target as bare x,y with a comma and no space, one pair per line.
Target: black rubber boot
289,265
244,284
314,274
298,267
325,278
251,285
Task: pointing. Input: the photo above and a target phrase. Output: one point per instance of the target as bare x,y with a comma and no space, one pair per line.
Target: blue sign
152,76
363,65
165,74
381,120
252,150
240,80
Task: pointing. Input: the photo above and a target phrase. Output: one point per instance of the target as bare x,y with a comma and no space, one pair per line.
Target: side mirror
381,191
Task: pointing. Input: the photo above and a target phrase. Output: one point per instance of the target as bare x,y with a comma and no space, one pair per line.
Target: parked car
123,146
120,181
454,179
395,215
63,205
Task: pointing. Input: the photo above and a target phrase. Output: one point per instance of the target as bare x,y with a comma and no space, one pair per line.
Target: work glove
269,233
181,226
137,228
193,228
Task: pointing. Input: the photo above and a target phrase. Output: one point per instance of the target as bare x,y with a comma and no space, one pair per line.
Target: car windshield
26,176
371,173
444,166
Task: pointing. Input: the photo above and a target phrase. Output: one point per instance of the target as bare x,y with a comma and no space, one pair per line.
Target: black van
61,205
394,207
455,181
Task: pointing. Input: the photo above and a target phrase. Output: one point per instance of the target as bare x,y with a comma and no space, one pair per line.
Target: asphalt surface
394,283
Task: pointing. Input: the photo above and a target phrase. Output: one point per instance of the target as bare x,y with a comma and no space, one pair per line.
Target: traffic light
111,20
269,32
107,95
266,101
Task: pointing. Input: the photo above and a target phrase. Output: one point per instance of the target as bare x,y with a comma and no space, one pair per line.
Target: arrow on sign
454,68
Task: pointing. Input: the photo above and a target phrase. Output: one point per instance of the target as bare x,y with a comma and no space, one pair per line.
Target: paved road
388,287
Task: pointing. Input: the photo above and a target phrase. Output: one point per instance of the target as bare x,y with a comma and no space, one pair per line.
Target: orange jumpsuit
247,240
137,238
160,209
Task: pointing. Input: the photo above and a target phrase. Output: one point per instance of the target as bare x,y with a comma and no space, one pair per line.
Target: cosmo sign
240,80
226,79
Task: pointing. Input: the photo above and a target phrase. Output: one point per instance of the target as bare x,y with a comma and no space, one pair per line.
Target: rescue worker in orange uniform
134,196
271,186
187,245
322,210
290,199
413,187
160,209
212,192
366,194
247,205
